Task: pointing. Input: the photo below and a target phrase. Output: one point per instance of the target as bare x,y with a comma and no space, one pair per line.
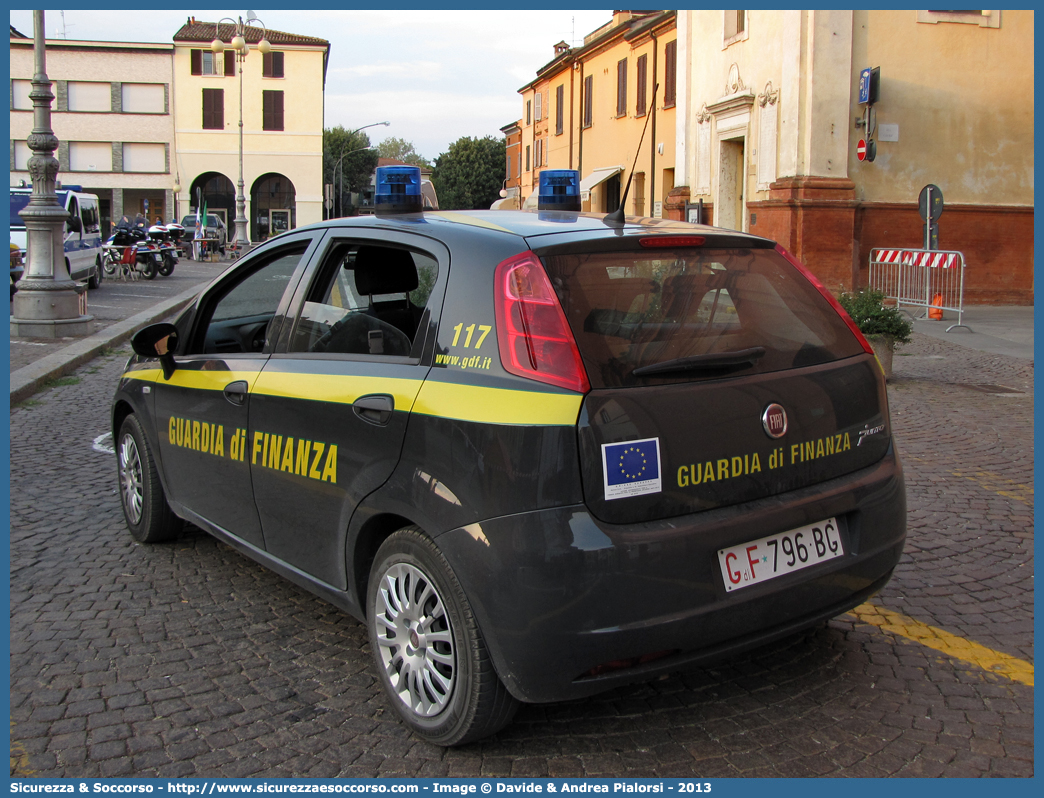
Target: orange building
588,107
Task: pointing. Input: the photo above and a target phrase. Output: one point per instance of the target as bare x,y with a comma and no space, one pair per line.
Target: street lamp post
48,302
340,186
241,48
340,192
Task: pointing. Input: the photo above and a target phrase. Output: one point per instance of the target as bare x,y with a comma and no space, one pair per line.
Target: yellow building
280,95
588,107
769,119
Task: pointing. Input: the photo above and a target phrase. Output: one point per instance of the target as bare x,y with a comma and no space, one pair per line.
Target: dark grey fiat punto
539,454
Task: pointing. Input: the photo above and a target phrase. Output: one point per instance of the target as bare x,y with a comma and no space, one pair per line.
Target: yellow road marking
995,483
949,644
19,759
991,482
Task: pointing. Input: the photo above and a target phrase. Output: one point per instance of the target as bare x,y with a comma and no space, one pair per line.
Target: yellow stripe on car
204,380
339,388
498,405
482,405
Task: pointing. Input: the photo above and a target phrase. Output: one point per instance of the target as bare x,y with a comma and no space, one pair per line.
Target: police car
539,453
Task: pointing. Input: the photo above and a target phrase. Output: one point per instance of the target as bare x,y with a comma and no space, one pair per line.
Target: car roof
529,224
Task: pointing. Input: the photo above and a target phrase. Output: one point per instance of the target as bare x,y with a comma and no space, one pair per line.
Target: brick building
769,119
113,118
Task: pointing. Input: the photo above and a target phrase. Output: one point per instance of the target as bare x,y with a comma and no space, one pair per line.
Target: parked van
83,240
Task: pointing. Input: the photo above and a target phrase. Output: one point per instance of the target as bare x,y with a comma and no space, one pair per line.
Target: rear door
719,375
329,410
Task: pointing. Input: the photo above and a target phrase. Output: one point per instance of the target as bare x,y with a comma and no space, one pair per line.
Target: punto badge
774,420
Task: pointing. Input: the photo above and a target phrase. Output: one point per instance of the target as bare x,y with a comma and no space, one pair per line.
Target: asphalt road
116,300
186,659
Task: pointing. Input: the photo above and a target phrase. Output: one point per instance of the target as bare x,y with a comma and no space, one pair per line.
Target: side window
238,320
367,300
74,211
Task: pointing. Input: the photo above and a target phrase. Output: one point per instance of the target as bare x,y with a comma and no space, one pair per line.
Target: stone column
47,304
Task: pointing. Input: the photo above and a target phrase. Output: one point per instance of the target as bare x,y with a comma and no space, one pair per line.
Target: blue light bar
559,190
398,190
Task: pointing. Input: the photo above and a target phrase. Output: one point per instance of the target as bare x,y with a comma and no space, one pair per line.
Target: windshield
18,202
678,315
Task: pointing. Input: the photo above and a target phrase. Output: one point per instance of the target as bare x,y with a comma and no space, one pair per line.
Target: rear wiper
711,361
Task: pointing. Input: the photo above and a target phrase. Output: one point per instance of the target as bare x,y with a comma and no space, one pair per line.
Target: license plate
766,558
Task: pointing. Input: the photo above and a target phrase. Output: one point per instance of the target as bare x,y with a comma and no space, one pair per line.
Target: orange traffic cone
934,312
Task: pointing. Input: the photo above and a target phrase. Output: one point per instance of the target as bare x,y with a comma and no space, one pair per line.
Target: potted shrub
884,326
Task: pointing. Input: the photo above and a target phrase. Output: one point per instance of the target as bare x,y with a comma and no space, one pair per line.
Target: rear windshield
18,203
681,315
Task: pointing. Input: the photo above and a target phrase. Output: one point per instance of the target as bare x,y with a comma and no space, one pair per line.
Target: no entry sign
861,150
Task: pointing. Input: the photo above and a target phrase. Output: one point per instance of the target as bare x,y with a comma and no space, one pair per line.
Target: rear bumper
560,596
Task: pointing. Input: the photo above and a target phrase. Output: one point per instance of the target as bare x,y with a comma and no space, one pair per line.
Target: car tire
95,280
145,508
454,695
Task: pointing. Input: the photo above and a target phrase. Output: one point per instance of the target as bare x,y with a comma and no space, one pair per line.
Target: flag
631,468
199,224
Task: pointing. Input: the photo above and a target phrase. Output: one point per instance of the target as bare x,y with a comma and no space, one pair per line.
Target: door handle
236,392
375,408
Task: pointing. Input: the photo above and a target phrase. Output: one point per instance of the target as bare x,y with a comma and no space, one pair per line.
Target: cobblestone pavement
187,659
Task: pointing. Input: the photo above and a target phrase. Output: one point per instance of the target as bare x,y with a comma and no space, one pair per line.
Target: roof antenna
617,216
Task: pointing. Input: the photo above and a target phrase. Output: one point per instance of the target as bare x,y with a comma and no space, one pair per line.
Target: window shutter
559,109
670,73
197,62
588,102
272,102
214,109
230,64
643,63
536,107
273,65
621,87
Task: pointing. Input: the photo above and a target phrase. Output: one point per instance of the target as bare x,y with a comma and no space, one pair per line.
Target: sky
434,75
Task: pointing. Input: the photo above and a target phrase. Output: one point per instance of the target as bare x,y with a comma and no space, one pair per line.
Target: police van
82,231
538,453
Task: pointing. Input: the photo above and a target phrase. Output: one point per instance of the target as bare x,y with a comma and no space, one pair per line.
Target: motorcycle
146,257
159,235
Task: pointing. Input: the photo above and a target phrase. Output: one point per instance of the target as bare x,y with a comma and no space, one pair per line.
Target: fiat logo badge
774,420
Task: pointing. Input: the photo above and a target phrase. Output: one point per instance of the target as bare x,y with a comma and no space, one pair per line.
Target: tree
402,150
356,162
470,174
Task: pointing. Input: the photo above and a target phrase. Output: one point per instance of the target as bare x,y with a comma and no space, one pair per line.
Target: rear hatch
719,375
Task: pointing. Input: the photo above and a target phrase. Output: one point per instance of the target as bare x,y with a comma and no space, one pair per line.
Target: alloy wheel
130,478
415,639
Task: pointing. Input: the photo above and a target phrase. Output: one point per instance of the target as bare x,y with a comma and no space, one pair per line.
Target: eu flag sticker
631,468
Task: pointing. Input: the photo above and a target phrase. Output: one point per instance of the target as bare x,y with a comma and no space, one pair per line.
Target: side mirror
74,224
157,340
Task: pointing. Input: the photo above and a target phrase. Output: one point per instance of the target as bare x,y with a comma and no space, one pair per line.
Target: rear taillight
829,298
532,331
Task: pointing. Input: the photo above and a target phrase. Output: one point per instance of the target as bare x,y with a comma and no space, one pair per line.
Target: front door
328,412
202,411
